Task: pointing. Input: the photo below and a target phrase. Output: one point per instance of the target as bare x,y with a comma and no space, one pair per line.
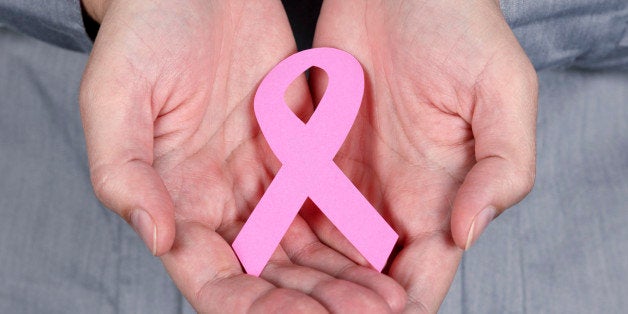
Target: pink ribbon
306,152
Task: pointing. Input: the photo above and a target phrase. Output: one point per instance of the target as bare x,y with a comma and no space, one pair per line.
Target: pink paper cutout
306,152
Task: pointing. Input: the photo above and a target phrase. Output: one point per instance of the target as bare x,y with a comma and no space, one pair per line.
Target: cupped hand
174,149
444,141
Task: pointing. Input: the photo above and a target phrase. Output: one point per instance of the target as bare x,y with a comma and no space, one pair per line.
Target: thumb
503,123
118,123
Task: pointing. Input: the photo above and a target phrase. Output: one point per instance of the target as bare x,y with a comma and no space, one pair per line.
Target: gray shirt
55,21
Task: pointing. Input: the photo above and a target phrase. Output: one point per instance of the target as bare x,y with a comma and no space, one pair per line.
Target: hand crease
308,248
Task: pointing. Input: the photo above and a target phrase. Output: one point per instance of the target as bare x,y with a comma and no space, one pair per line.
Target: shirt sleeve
59,22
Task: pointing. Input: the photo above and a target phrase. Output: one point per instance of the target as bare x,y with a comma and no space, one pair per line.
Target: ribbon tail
353,215
269,222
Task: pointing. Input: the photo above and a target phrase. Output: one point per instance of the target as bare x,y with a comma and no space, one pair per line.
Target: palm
190,71
207,146
412,144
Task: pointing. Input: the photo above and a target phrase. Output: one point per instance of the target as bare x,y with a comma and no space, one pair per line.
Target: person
444,143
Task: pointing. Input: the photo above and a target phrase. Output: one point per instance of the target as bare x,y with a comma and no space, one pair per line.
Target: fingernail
479,223
143,224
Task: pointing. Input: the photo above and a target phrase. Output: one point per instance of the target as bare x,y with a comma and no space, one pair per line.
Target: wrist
96,8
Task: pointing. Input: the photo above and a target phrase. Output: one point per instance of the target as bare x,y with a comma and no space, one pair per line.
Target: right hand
174,149
444,140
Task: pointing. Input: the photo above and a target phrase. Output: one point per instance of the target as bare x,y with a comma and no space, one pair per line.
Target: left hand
175,150
444,141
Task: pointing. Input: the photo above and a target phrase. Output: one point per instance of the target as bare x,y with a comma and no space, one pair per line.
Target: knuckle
529,73
528,78
524,180
85,90
102,179
529,180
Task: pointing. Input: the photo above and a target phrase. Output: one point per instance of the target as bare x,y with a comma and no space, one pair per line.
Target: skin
446,129
166,102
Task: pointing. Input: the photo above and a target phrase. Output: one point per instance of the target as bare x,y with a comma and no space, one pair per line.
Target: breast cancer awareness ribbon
306,152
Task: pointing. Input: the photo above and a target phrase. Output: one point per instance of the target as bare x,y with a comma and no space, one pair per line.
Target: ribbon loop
329,125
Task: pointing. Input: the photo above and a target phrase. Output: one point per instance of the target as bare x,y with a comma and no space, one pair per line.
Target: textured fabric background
56,21
581,33
564,249
60,250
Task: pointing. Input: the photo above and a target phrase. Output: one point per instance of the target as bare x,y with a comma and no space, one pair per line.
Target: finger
327,233
118,123
208,274
503,124
304,248
425,267
338,296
